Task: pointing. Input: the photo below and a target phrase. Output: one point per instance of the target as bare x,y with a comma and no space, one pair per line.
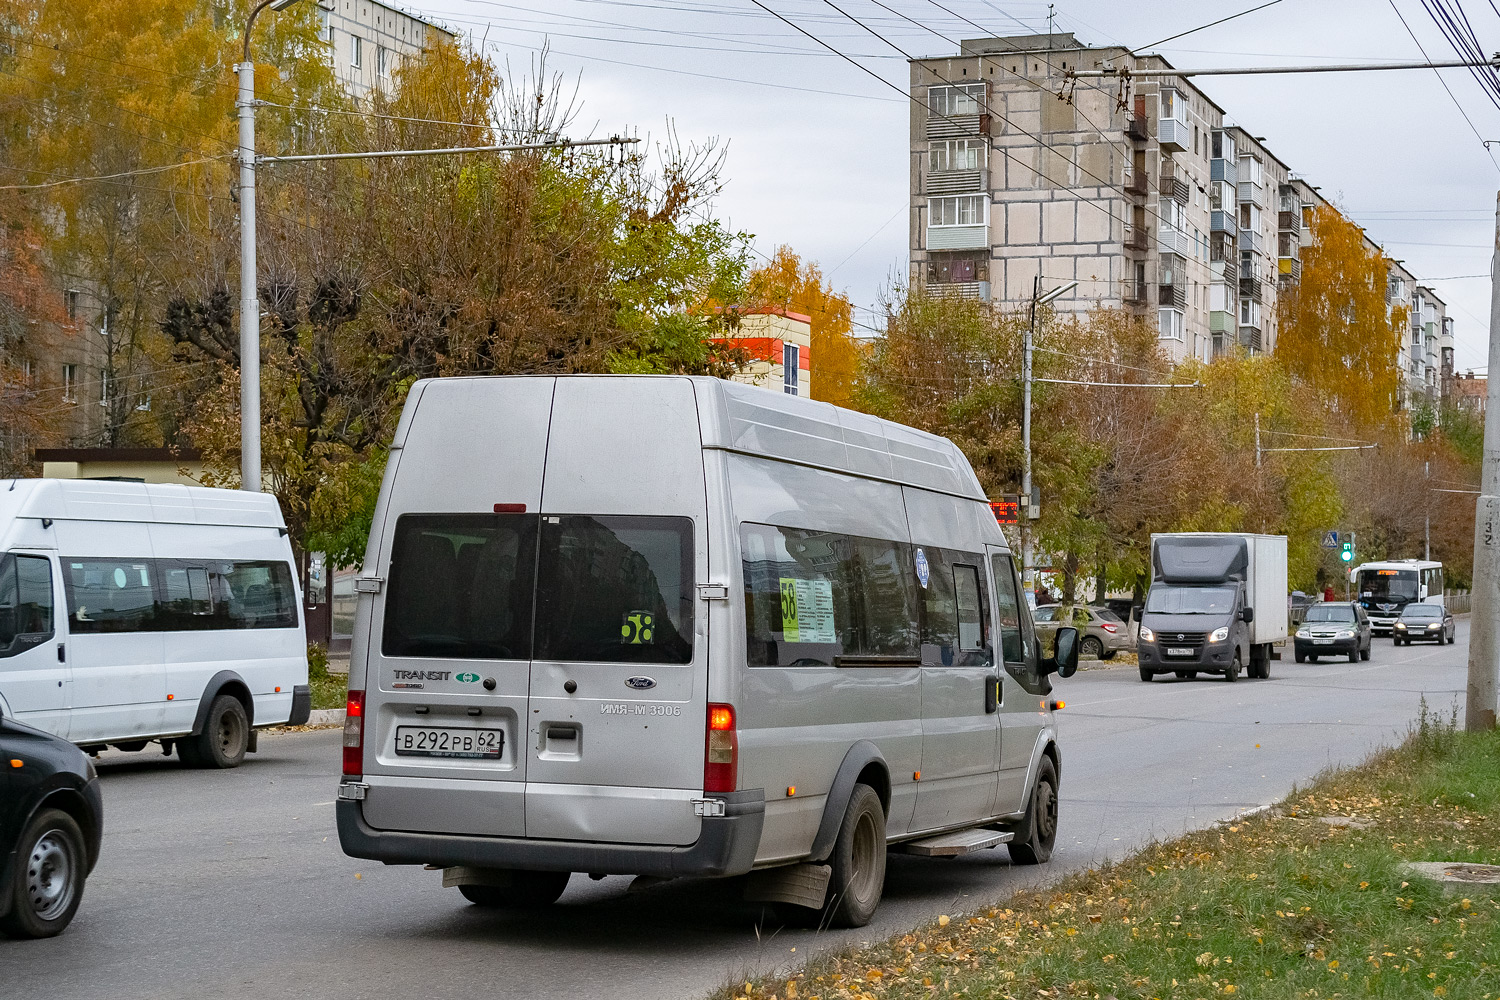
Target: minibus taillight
354,735
721,764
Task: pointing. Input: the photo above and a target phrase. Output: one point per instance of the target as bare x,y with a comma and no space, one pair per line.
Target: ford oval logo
640,683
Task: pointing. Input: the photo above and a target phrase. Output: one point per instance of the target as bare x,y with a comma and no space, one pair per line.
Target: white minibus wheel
225,737
858,860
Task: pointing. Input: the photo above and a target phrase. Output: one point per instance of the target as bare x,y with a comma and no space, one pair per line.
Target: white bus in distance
133,613
1384,589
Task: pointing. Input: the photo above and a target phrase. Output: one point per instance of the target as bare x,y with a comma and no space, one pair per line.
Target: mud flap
803,885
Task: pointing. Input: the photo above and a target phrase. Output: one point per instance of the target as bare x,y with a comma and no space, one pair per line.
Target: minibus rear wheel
225,736
858,860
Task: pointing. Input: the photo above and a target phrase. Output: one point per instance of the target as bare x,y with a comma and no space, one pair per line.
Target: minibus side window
25,601
109,595
954,606
615,589
461,586
250,595
819,598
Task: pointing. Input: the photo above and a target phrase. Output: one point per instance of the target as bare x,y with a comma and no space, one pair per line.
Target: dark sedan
51,821
1424,623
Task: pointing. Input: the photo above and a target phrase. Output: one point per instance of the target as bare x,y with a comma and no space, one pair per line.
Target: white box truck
1217,604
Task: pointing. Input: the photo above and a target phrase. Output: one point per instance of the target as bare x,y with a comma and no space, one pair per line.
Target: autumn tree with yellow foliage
1337,331
786,280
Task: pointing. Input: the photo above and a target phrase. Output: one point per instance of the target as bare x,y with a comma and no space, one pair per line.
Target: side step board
951,845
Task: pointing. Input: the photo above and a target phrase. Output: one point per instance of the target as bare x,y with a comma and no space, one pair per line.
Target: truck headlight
1146,635
1219,634
1345,634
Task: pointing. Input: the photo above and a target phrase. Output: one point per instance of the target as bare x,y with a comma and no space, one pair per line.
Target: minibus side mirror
1247,615
1064,661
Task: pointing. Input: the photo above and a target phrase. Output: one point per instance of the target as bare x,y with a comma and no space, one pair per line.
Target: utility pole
1484,623
1257,439
1028,509
1426,511
249,296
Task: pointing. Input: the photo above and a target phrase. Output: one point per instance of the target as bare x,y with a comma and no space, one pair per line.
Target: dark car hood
1158,622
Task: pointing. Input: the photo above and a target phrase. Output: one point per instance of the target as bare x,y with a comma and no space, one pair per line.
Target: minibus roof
163,503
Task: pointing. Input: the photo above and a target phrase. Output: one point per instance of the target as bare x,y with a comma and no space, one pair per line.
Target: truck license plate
430,741
1179,651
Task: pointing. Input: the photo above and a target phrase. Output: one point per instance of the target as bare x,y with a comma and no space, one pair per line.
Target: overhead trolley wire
1439,75
1201,27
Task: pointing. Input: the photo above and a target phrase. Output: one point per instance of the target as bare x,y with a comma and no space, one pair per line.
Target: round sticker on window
924,571
120,578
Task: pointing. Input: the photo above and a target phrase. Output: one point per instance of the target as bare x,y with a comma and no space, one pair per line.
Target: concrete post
1484,622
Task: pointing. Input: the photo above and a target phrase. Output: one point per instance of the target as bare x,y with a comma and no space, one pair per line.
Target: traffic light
1347,553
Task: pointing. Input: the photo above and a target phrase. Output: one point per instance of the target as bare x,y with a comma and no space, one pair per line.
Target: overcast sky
817,147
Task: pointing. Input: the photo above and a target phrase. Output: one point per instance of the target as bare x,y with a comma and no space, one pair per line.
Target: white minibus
133,613
677,626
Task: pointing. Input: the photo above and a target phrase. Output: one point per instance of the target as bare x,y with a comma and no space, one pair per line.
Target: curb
326,717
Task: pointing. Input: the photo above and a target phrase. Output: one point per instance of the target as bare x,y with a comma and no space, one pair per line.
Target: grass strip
1279,905
328,690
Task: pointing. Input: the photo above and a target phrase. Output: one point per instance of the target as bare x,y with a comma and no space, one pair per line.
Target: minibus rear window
615,589
819,598
461,586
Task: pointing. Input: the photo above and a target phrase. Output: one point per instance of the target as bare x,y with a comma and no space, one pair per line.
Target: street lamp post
1028,553
249,300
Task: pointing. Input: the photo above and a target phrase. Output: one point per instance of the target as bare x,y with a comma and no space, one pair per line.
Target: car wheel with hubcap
1038,831
225,736
527,890
47,880
1091,646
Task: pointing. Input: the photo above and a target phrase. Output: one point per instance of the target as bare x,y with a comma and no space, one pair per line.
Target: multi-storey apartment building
1025,176
368,40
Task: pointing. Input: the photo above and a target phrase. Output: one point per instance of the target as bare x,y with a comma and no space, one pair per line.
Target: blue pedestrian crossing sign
1330,539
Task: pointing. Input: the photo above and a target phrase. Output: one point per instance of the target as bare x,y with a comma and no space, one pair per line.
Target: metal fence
1457,601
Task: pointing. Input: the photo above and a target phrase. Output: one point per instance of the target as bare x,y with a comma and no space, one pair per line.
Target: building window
1170,321
70,383
960,210
963,99
957,154
354,50
325,27
71,299
945,269
383,60
791,358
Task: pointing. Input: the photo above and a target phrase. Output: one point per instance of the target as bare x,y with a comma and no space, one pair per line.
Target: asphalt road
229,884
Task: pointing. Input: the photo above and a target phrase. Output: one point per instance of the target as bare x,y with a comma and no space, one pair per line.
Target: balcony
955,182
1220,169
1221,321
1174,187
1289,268
1223,221
958,237
1250,338
1250,287
1172,240
1173,296
963,290
1136,238
1289,222
1138,129
1250,239
1173,135
1230,270
1135,293
1136,184
1250,193
957,126
1222,345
